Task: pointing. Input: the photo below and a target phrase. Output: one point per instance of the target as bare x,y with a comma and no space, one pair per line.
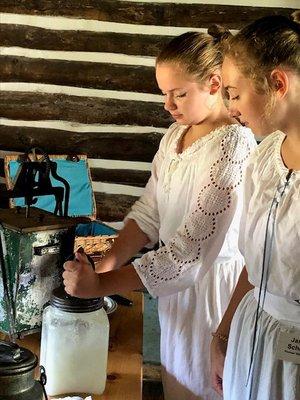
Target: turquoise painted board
151,331
81,192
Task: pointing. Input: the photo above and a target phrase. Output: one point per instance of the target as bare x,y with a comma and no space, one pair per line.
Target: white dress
272,379
192,205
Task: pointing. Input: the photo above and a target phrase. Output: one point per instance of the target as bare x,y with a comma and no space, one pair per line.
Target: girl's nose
169,104
233,112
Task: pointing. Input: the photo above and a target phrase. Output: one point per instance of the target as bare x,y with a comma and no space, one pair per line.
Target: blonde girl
191,207
261,73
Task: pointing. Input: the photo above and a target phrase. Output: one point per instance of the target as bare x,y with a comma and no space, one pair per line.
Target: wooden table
124,370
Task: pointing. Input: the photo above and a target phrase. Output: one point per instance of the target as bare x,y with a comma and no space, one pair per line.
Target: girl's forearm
121,281
130,240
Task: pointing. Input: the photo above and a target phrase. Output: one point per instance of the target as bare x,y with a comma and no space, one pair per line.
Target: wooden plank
124,369
105,145
166,14
47,39
133,78
87,110
113,207
120,176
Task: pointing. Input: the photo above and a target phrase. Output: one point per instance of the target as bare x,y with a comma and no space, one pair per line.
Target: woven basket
95,246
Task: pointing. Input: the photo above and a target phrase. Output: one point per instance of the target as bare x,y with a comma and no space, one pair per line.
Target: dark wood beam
86,110
111,42
166,14
104,145
120,176
132,78
113,207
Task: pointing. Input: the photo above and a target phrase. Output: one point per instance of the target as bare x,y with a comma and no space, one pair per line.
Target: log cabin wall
78,77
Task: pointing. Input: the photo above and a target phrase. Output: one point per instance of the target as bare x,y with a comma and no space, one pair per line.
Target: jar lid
15,359
60,299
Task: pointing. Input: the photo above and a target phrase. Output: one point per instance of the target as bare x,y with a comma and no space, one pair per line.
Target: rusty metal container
32,253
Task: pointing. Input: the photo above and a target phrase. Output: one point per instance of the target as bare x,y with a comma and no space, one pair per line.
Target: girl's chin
181,120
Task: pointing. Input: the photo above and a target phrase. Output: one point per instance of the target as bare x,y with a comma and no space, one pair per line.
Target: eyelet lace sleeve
189,254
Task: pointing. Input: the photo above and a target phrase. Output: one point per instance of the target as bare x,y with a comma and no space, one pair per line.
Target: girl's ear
280,82
215,83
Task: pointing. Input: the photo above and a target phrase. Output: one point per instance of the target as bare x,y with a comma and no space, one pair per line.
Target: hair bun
296,16
218,32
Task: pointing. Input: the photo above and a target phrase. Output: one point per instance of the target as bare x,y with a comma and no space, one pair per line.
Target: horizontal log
86,110
48,39
113,207
166,14
80,74
120,176
106,145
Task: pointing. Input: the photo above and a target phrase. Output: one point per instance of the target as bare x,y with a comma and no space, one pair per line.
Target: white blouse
192,203
266,173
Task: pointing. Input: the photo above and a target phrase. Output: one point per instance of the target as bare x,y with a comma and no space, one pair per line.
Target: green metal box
32,253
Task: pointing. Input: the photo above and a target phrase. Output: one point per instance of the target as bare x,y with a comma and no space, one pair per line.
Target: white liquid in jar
74,351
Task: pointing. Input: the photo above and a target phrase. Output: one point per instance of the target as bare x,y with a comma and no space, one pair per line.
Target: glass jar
74,344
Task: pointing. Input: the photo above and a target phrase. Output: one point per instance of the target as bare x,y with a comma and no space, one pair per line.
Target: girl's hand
80,279
217,358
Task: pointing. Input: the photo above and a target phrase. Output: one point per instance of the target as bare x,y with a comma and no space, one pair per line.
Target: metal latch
47,249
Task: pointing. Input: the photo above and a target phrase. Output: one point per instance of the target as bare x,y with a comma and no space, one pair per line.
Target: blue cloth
94,229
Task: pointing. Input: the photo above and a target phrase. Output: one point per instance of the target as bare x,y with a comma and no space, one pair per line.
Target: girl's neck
217,118
290,117
292,132
290,149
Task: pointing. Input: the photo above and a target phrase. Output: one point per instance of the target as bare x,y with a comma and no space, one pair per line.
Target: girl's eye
235,98
179,96
225,94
